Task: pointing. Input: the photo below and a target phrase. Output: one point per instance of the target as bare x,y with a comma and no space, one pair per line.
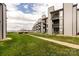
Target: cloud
18,20
19,26
26,6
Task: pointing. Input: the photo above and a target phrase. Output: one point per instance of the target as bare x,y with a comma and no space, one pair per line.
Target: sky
24,13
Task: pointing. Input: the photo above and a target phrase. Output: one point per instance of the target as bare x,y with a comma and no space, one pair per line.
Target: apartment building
44,24
55,21
41,25
37,26
63,21
3,21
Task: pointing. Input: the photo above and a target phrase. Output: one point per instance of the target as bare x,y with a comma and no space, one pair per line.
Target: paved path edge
58,42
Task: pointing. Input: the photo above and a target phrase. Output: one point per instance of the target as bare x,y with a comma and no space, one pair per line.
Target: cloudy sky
23,15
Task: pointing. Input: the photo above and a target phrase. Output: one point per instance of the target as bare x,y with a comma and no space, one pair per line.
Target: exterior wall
55,22
38,27
74,28
44,23
68,18
3,23
0,21
78,21
61,22
41,26
49,21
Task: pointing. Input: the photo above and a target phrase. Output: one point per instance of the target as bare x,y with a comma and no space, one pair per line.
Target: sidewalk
58,42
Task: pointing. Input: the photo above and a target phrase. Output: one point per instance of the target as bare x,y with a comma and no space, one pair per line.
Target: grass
74,40
25,45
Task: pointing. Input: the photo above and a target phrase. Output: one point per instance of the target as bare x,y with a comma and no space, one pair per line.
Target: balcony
56,30
55,25
55,18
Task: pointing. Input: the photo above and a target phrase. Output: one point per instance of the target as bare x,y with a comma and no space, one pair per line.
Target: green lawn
74,40
25,45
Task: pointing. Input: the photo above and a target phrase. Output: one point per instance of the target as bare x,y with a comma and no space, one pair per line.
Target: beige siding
74,19
0,21
3,23
68,18
49,21
77,21
61,22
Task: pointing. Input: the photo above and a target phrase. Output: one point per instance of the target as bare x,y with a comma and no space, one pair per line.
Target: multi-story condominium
44,24
63,21
41,25
3,21
37,26
55,21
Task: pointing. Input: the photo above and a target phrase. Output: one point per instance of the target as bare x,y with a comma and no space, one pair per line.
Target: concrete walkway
58,42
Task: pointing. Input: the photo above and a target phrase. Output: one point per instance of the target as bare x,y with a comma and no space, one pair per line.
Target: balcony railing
55,25
55,18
